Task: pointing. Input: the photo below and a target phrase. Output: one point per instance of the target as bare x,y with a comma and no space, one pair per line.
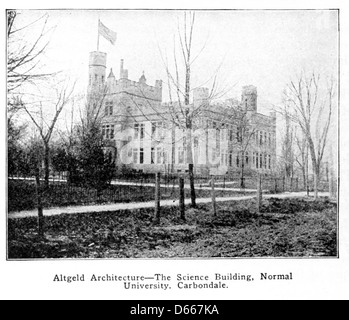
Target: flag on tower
108,34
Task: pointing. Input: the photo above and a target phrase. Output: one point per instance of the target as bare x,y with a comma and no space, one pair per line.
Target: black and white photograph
173,135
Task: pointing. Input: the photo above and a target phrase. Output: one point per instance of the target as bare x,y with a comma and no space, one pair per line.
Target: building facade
147,135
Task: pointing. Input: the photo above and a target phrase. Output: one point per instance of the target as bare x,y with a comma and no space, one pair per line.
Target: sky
264,48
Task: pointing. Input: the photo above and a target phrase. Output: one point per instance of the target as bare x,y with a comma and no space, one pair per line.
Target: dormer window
108,110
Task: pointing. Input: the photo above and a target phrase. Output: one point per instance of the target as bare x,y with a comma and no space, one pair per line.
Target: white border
313,278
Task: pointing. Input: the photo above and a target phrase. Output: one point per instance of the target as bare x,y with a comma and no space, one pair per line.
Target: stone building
145,134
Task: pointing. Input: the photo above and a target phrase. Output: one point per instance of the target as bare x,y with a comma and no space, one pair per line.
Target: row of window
262,138
160,156
108,131
96,79
261,160
139,130
157,130
108,108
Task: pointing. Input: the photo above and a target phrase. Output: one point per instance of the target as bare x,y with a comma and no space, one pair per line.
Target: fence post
213,195
297,184
259,193
157,198
181,198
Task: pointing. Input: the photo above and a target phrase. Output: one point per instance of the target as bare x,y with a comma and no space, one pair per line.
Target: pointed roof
111,74
143,78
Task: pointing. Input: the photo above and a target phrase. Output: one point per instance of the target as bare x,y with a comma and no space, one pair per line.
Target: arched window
230,158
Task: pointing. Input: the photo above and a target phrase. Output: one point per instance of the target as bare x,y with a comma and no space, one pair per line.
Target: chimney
121,68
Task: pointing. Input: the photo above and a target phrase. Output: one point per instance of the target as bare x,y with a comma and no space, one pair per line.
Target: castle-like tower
97,70
120,102
249,98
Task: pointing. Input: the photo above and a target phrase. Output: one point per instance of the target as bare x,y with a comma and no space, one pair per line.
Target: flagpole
98,36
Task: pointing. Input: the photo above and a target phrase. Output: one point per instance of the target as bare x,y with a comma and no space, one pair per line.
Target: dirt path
139,205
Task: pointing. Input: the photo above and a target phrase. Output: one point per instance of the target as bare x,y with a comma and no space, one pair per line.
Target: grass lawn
284,228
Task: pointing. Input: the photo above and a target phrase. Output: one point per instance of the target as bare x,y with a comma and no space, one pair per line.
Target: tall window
153,129
141,155
164,156
161,130
257,160
269,139
157,130
260,138
111,131
231,135
180,155
231,158
260,160
158,155
246,158
107,131
135,155
239,135
136,130
152,155
142,128
269,161
218,142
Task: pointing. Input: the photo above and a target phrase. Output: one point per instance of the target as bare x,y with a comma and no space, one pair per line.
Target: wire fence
141,187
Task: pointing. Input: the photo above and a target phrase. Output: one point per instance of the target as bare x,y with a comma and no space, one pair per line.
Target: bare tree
44,126
302,159
24,58
182,113
287,152
245,130
24,66
312,104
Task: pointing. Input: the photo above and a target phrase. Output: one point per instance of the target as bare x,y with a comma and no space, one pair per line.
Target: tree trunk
192,186
181,199
259,193
213,196
46,165
157,198
242,178
39,204
304,178
316,172
191,167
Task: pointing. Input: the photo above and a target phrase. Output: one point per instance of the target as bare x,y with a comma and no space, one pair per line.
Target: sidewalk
139,205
